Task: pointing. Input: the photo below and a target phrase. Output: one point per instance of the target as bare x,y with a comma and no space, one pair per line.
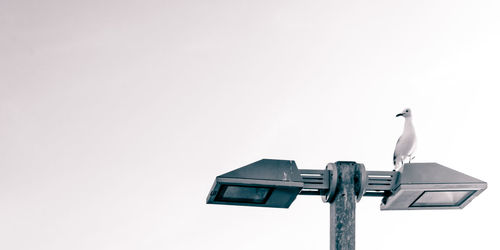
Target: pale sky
116,116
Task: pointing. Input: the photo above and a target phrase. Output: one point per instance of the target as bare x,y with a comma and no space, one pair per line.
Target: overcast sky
116,116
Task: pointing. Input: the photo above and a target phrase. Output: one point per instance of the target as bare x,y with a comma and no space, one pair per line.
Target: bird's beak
400,114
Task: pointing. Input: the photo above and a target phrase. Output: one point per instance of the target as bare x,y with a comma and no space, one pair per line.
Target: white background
116,116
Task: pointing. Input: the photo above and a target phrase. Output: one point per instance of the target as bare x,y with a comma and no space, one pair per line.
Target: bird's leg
411,158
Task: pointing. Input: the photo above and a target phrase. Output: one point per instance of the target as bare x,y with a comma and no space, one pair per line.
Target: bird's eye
407,110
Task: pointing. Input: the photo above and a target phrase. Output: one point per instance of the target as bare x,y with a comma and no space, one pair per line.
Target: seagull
407,142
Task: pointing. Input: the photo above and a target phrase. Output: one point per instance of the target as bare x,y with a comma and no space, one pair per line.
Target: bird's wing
394,155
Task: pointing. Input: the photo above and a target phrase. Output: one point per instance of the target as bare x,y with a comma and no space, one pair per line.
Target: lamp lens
244,194
442,198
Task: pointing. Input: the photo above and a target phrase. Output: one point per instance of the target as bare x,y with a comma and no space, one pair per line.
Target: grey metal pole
343,209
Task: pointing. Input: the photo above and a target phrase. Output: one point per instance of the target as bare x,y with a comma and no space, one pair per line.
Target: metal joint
380,183
315,181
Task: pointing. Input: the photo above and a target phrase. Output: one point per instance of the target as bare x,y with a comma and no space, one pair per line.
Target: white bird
407,142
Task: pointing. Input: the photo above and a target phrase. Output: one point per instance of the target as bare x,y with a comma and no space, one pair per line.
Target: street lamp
276,183
265,183
432,186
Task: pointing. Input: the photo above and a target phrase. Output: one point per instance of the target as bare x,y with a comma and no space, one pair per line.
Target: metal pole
343,209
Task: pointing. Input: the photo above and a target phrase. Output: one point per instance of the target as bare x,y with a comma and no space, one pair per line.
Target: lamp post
343,206
276,183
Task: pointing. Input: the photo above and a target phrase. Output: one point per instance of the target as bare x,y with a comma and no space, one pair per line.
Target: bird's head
406,113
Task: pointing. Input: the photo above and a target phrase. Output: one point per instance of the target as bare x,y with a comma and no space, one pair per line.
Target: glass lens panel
244,194
441,198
